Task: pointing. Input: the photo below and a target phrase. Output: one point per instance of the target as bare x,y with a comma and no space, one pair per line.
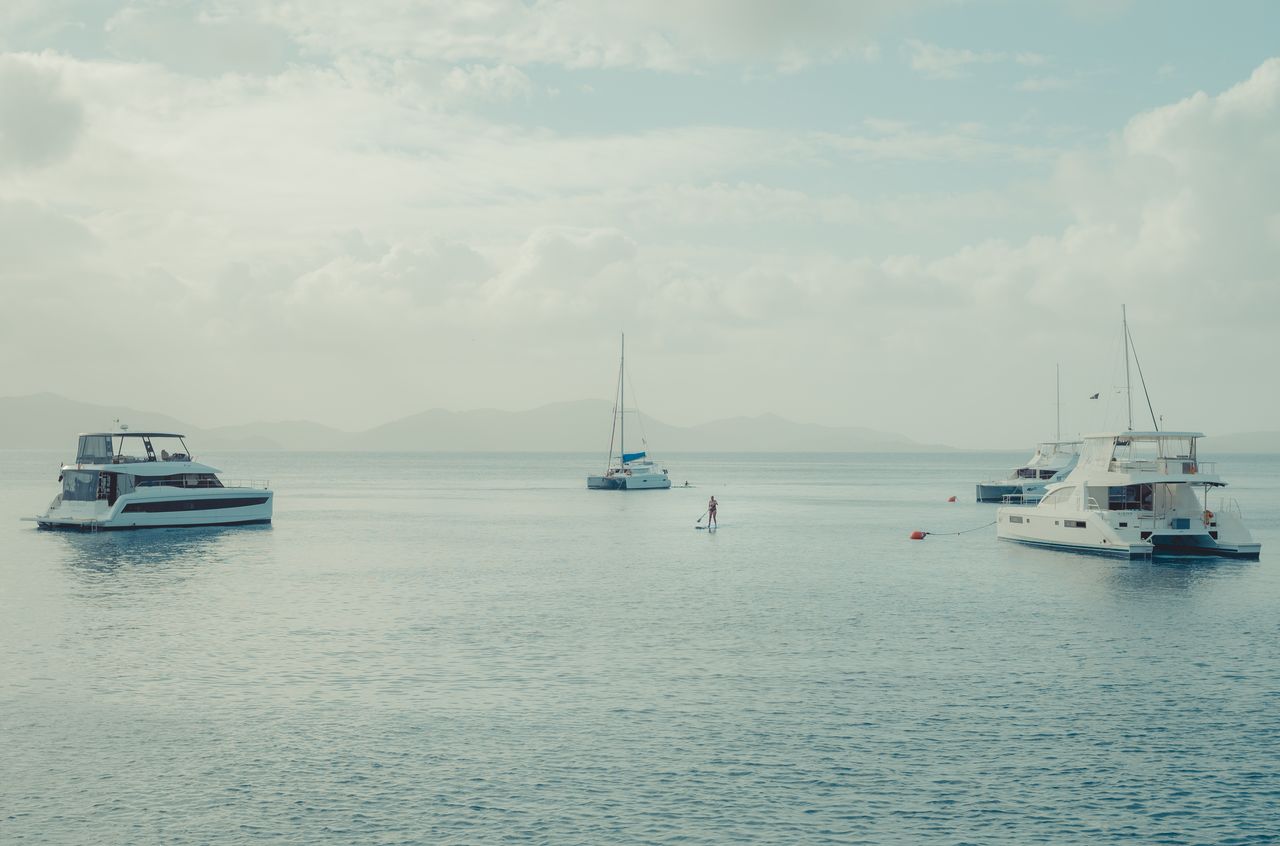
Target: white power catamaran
1133,494
108,488
1052,461
633,470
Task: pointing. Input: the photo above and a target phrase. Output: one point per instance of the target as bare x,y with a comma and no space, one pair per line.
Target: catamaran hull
1089,532
229,508
628,483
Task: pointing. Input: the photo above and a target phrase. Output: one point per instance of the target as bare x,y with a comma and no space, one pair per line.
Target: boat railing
260,484
1092,504
264,484
1166,466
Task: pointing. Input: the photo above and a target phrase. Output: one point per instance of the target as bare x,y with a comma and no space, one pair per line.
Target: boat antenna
1057,372
1142,379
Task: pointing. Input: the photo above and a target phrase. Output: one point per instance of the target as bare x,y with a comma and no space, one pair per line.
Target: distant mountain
51,421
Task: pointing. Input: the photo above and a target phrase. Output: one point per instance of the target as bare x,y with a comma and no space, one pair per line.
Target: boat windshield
79,485
94,449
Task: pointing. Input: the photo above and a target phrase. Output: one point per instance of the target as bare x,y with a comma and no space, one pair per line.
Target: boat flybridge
1052,461
1134,494
633,470
109,488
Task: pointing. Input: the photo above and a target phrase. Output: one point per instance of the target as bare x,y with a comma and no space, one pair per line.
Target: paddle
704,514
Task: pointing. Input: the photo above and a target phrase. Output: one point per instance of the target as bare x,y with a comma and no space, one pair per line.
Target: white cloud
39,122
194,38
481,82
936,62
226,204
664,35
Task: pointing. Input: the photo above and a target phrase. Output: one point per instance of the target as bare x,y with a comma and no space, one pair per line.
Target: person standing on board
711,512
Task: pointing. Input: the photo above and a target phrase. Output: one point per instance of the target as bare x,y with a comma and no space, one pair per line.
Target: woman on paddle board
711,512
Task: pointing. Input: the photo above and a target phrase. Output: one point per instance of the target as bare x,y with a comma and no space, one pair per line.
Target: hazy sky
892,214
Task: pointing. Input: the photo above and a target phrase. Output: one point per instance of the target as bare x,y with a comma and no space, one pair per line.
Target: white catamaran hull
1127,534
163,508
629,482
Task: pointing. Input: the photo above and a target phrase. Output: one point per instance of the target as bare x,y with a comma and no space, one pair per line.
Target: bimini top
1146,436
98,448
131,435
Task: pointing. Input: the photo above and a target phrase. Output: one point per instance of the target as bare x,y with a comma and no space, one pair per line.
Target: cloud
190,38
481,82
663,35
937,62
39,123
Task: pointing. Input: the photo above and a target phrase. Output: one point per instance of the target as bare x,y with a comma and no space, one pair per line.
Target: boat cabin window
180,480
1129,498
94,449
79,485
1025,473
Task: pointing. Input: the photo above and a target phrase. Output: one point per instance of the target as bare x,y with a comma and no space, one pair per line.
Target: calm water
476,649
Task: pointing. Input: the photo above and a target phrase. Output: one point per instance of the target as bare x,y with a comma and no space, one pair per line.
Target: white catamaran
108,488
1052,461
633,470
1134,494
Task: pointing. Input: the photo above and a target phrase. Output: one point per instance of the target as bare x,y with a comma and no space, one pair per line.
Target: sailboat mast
622,402
1128,388
1057,372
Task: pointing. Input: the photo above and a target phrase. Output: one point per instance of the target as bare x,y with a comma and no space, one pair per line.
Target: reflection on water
93,554
1167,574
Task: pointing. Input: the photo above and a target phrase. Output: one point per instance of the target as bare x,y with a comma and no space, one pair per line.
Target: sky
907,215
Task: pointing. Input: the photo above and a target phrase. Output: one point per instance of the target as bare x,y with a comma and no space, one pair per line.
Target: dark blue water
476,649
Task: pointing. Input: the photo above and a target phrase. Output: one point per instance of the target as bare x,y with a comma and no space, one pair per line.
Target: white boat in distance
633,470
1133,494
108,489
1052,461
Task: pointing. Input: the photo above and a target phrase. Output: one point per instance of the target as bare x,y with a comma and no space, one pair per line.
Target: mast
1128,388
622,403
1057,372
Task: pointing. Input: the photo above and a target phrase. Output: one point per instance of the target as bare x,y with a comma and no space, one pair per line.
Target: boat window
124,484
94,449
79,485
180,480
1025,473
1129,498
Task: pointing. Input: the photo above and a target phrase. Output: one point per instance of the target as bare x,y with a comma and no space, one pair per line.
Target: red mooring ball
951,499
918,535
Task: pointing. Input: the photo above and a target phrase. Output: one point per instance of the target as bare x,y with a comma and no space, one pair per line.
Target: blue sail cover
631,456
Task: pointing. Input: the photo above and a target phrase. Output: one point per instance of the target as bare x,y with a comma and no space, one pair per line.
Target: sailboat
1133,494
632,470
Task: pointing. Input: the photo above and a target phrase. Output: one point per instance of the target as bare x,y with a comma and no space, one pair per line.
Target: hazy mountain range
51,421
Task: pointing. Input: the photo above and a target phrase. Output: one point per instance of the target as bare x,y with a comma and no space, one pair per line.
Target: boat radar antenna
1128,387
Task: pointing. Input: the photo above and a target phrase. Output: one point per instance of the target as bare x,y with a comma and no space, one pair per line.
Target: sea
475,649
